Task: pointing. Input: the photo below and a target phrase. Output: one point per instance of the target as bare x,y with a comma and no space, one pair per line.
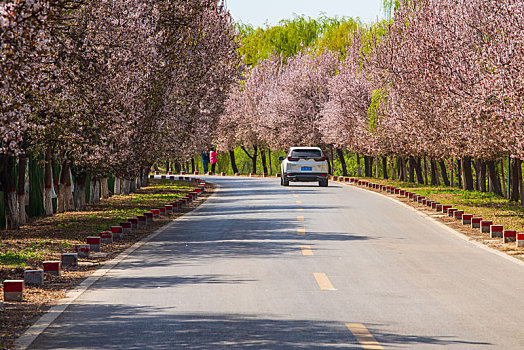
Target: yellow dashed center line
323,281
301,231
295,195
363,336
306,250
300,218
300,209
299,202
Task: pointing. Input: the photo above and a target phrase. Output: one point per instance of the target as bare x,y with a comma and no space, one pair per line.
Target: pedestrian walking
213,159
205,159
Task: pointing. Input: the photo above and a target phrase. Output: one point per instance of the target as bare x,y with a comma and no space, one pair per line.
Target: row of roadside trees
436,89
101,87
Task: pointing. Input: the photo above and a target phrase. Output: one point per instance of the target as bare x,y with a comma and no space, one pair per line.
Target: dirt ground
46,238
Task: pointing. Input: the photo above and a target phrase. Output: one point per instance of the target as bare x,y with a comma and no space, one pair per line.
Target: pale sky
257,12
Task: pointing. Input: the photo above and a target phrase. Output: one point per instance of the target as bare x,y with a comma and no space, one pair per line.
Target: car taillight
292,159
320,159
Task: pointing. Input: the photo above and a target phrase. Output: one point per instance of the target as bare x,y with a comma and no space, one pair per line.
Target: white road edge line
30,335
447,228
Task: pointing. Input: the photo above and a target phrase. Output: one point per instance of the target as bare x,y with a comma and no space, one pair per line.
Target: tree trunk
385,167
482,175
254,160
521,186
418,170
104,188
459,172
126,188
444,172
425,171
340,154
411,170
434,180
392,165
132,185
22,170
193,165
452,172
139,181
8,180
264,160
178,167
270,162
359,169
515,180
494,181
62,187
117,191
48,183
467,174
233,161
80,191
503,177
167,166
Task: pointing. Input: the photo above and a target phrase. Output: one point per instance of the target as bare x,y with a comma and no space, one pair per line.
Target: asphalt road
260,266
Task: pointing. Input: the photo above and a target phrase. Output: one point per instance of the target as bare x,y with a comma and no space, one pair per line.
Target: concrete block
458,214
82,250
13,290
69,259
94,243
106,237
162,211
134,223
520,239
142,220
182,172
34,277
509,236
445,208
496,231
168,209
149,217
439,207
420,199
451,211
485,226
466,219
126,227
475,222
117,231
156,212
52,267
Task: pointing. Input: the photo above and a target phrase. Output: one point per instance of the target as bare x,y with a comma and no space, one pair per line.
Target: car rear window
306,153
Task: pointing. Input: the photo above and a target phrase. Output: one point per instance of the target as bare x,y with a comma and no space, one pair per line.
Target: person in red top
213,160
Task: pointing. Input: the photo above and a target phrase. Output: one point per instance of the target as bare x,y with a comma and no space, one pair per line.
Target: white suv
307,164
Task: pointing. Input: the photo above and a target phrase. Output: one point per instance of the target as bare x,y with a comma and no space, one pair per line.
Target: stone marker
162,211
149,217
169,209
34,277
485,225
94,243
520,239
509,236
451,211
475,222
106,237
126,227
466,219
52,267
117,231
134,222
458,214
13,290
496,231
142,220
69,259
82,250
156,212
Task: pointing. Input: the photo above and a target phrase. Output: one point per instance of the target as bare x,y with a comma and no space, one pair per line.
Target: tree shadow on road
139,327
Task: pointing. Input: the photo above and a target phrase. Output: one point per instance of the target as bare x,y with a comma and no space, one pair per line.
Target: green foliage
338,34
373,111
15,259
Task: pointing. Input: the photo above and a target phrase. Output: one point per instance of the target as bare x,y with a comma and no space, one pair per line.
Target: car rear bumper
306,177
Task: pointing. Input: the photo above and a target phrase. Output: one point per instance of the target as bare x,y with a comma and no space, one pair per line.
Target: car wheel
285,181
323,183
